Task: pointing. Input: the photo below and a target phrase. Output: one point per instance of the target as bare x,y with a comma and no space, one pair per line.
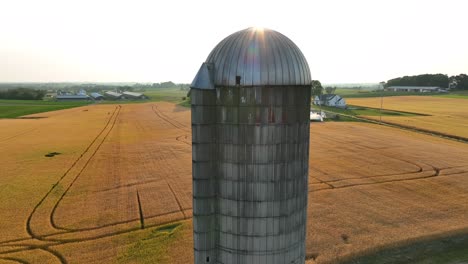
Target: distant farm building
332,100
78,97
97,96
132,95
113,95
420,89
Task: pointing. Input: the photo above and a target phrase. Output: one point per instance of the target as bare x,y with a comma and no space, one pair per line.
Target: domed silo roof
254,57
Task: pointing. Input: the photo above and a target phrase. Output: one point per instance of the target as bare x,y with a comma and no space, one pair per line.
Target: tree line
458,82
22,94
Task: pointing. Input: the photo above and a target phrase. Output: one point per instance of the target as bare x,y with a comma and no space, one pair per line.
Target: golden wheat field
444,115
118,187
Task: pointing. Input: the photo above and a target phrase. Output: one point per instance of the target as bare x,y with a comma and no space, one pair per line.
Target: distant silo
250,150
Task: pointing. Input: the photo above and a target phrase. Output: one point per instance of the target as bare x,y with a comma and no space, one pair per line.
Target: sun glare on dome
256,28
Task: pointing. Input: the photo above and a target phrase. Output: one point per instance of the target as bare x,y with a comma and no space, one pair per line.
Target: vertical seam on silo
216,183
284,61
224,64
240,58
234,61
277,62
305,65
215,59
256,61
299,62
293,59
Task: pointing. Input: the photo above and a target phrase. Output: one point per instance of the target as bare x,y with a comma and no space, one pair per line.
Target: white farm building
333,100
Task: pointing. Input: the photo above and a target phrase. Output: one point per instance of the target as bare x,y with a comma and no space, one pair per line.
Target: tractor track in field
49,238
50,241
46,249
140,211
135,220
435,172
179,126
17,260
52,214
174,123
28,222
29,229
179,138
19,134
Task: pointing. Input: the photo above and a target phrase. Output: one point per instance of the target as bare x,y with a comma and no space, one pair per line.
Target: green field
17,108
174,95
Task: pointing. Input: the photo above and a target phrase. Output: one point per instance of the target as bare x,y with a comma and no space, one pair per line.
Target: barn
113,95
132,95
97,96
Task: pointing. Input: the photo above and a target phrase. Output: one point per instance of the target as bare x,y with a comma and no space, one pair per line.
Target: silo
250,150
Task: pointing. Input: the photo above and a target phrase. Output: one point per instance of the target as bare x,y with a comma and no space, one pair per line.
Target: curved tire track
52,221
30,216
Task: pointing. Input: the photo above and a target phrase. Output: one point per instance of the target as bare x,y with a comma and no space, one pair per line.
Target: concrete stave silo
250,132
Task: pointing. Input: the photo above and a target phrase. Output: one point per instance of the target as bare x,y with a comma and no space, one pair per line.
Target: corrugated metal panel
96,95
260,57
204,77
132,94
113,94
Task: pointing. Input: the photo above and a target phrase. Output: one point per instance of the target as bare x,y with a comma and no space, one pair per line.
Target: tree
382,85
439,80
460,82
330,90
23,94
317,88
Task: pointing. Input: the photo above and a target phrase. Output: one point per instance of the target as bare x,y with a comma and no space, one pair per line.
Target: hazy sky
154,41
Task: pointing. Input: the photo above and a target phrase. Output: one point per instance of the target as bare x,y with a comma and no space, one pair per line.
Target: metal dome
254,57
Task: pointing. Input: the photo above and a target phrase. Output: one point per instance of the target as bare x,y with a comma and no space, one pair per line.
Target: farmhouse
113,95
132,95
333,100
97,96
78,97
421,89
